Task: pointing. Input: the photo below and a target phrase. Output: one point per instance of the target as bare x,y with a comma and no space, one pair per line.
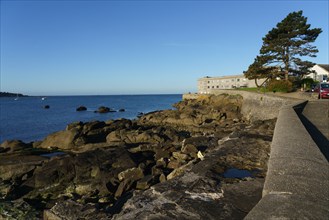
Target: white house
321,73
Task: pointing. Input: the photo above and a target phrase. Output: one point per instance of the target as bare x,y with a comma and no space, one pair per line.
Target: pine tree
284,46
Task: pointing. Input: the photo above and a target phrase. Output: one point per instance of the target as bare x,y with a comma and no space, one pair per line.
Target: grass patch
254,89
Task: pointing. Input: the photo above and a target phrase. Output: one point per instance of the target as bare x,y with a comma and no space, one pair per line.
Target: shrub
280,86
308,82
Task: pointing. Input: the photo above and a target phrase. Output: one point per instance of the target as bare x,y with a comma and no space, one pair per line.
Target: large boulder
11,146
60,140
104,109
81,108
70,209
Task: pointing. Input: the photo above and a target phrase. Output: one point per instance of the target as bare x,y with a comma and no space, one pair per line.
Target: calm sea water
26,119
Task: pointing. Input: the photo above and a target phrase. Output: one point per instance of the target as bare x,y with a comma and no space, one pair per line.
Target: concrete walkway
297,181
317,112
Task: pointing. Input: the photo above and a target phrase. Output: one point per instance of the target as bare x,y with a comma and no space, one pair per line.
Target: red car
323,90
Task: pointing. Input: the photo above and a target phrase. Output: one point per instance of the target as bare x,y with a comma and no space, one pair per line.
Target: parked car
323,90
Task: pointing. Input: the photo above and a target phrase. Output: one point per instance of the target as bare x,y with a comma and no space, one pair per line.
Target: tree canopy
283,48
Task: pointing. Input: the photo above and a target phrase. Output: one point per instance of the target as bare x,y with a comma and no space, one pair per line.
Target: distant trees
282,50
8,94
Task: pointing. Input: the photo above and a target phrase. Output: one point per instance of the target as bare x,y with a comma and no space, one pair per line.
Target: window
208,87
217,87
238,80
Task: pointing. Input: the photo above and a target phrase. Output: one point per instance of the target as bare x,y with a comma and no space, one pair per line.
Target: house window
217,87
238,80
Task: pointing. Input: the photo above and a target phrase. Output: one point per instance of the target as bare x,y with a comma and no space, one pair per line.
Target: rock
200,155
46,107
86,175
122,110
114,138
200,197
13,146
161,153
161,162
18,210
189,149
180,170
144,183
132,174
70,209
77,125
93,125
104,109
162,178
174,164
81,108
95,132
180,156
121,188
16,166
61,140
236,120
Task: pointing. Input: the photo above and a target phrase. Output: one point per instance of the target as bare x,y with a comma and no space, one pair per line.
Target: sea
28,120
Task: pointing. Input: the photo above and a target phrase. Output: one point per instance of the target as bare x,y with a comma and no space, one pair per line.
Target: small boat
43,98
16,97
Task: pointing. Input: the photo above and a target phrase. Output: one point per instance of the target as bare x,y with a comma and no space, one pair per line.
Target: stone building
207,85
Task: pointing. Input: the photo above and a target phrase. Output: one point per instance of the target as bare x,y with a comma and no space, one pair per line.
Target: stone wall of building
208,85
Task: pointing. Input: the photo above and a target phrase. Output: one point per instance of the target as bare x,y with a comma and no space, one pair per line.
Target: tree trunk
286,75
286,63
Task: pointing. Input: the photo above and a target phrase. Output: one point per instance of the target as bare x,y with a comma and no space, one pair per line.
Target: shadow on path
320,140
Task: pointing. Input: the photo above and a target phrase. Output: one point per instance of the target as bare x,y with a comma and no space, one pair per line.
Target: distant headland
9,94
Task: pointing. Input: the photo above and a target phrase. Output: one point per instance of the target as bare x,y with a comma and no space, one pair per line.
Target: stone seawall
256,106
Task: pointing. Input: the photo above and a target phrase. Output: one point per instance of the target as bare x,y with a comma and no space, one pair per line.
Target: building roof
324,66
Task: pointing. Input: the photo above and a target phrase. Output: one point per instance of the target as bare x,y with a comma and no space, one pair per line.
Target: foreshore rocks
104,109
166,165
81,108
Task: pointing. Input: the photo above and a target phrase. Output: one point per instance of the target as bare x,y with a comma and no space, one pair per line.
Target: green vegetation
282,50
280,86
307,83
254,89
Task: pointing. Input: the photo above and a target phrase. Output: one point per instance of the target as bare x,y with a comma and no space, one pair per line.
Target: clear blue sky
137,47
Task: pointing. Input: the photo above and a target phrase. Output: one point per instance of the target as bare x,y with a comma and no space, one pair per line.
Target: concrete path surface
317,112
315,118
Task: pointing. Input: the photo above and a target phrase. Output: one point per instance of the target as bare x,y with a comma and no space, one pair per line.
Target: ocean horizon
28,120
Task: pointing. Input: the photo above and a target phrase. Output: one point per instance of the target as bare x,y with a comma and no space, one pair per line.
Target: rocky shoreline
203,160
